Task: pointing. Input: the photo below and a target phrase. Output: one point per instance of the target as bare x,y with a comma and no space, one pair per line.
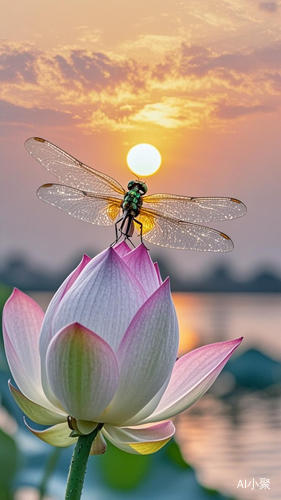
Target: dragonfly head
138,185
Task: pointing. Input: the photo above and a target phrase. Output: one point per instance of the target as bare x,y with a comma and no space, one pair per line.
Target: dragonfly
167,220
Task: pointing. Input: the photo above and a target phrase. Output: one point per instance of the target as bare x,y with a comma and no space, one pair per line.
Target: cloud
97,70
10,113
172,113
201,62
164,114
181,87
17,64
229,112
268,6
275,80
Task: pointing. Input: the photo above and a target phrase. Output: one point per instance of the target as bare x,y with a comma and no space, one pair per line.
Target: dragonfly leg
141,228
124,219
129,239
115,241
116,229
117,238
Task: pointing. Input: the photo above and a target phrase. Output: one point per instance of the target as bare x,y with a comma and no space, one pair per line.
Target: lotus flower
106,352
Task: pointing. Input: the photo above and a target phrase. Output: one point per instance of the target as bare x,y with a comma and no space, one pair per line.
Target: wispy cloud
10,113
185,86
97,71
17,65
199,61
226,111
268,6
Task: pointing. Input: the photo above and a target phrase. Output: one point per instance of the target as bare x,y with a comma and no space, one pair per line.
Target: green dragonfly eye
142,187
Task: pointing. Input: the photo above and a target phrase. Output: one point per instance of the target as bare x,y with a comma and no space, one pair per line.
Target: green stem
78,465
49,469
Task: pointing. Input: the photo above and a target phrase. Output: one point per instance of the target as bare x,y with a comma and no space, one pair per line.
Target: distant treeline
17,271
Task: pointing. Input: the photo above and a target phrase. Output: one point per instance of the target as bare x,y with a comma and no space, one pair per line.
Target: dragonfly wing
174,233
198,210
83,205
71,171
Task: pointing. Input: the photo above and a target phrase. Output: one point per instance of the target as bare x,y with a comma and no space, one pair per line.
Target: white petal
192,376
105,301
140,440
34,411
146,356
82,371
46,330
149,407
57,435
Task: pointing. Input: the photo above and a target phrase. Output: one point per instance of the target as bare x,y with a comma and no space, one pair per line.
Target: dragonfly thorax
133,198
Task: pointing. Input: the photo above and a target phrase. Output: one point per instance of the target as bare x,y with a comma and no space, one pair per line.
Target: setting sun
144,159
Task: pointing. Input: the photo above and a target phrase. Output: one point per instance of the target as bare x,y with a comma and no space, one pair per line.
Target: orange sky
199,80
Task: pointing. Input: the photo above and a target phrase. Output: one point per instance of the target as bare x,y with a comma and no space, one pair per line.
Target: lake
234,441
209,318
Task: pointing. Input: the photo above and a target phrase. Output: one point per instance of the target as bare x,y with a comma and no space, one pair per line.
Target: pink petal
141,265
82,371
105,301
146,356
140,440
192,376
70,280
122,249
156,267
22,319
